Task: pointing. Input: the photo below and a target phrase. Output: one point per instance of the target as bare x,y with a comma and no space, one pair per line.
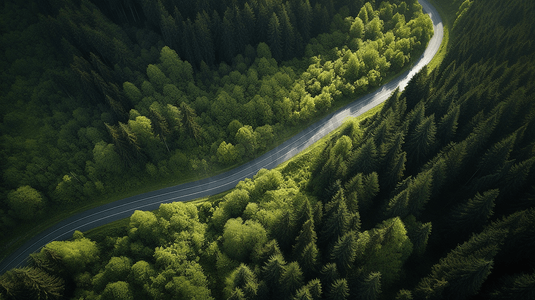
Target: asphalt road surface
150,201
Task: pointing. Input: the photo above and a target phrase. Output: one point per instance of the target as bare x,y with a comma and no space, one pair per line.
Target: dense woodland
100,97
430,198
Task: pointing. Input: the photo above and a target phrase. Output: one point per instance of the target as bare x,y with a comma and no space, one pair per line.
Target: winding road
150,201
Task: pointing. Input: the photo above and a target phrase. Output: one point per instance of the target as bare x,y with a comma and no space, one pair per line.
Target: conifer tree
288,36
308,259
291,279
275,41
303,294
306,236
190,122
244,280
495,158
519,286
421,143
370,288
447,126
329,274
31,283
284,230
414,118
204,38
419,191
304,213
339,290
474,214
364,159
314,286
273,269
404,295
418,233
304,15
468,280
336,221
344,252
398,205
517,176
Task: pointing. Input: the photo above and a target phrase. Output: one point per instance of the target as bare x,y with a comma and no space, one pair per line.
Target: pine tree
339,290
31,283
329,274
284,230
365,158
370,288
305,237
416,90
302,294
420,192
204,38
304,213
161,127
421,143
414,118
398,206
304,15
228,49
496,157
447,126
519,286
288,36
404,295
474,214
190,121
245,280
418,233
291,279
275,41
308,259
517,176
273,269
314,286
336,221
249,21
467,281
344,252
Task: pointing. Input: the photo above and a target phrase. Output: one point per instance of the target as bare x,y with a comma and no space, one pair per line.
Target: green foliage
241,238
31,283
448,162
77,254
26,202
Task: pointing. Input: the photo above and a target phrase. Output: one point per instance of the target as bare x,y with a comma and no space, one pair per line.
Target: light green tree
26,202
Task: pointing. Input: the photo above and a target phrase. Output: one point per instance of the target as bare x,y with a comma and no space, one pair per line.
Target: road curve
188,191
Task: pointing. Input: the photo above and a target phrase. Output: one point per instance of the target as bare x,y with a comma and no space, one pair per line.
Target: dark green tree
421,143
306,236
291,279
274,39
273,270
284,230
344,252
329,274
31,283
520,286
339,290
473,215
370,287
364,159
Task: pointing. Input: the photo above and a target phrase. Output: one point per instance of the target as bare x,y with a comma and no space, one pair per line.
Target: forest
103,97
432,197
